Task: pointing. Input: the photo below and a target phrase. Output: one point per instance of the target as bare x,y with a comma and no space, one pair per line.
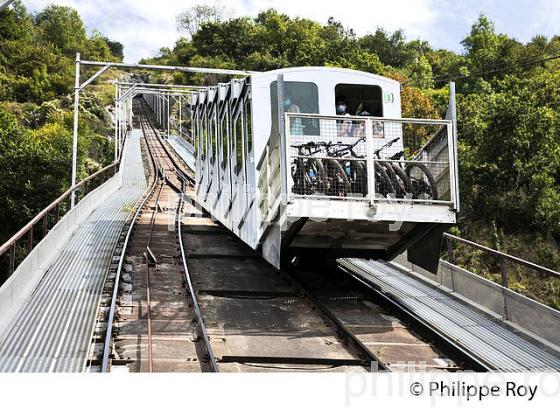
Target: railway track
153,322
191,297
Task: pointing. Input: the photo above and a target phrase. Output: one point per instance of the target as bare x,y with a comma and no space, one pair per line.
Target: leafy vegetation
37,56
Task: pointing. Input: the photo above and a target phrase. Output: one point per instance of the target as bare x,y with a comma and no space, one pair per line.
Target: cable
497,68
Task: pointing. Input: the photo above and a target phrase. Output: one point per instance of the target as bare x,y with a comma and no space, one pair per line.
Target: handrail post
45,224
12,258
30,239
450,253
451,259
505,285
370,164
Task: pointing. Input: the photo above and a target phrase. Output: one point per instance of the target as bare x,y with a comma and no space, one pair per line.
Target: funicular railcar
284,171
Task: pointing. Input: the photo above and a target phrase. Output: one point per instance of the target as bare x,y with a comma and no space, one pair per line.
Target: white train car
317,162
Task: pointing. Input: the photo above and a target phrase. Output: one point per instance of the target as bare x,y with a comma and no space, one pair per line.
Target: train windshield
360,99
299,97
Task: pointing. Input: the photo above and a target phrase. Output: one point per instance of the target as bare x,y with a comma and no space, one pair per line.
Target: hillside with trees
508,110
37,57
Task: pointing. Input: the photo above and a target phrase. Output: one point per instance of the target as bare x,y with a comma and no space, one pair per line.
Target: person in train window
343,128
296,126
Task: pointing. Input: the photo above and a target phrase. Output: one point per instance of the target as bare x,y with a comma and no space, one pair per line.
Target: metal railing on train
47,219
370,158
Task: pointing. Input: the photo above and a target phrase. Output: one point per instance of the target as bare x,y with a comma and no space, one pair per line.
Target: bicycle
414,175
308,172
346,175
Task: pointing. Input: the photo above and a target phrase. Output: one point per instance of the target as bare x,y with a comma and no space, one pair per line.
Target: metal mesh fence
361,157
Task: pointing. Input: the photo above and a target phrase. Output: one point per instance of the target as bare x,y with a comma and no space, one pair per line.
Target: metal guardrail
500,255
502,259
370,158
54,211
187,137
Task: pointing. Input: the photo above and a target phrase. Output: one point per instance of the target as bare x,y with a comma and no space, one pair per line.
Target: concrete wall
15,291
527,314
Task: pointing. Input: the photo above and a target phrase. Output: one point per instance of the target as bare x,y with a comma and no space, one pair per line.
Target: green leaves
36,77
512,158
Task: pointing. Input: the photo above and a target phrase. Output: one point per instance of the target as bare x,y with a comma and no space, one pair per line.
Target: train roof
352,76
326,70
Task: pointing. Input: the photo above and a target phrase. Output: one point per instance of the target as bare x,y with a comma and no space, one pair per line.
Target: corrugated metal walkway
52,331
498,346
183,151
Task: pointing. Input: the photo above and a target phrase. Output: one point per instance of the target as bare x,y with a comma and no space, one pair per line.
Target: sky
144,26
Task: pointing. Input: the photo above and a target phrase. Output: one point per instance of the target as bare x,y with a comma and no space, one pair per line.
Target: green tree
63,27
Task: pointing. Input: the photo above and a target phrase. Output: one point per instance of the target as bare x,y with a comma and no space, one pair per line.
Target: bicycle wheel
340,184
398,190
383,185
360,177
420,187
320,183
406,183
298,176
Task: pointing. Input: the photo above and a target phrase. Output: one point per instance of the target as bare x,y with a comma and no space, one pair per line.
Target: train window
299,97
360,99
239,142
225,137
248,125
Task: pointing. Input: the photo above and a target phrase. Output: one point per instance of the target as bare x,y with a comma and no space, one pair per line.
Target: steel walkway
52,331
183,150
498,346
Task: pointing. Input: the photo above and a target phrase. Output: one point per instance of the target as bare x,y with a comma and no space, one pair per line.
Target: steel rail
177,168
196,307
192,293
111,317
341,328
161,165
148,295
502,255
159,170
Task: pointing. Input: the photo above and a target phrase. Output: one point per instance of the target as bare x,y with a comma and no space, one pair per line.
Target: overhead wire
494,69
